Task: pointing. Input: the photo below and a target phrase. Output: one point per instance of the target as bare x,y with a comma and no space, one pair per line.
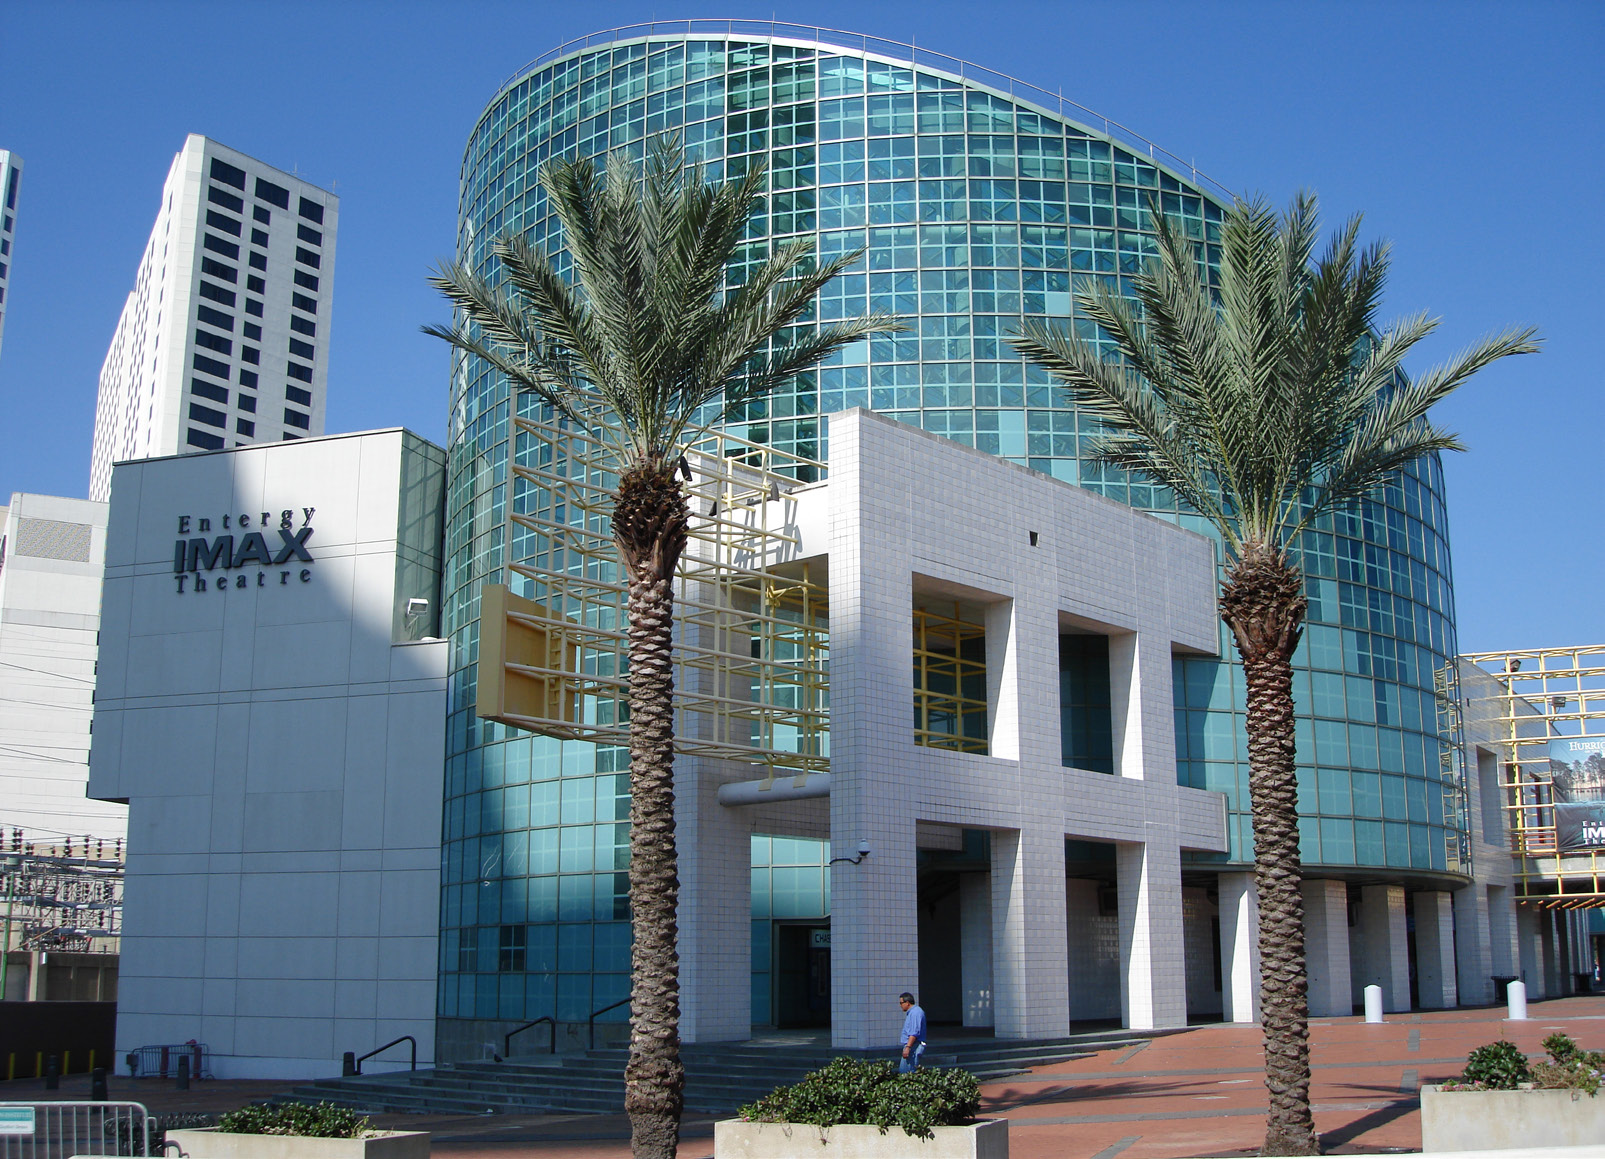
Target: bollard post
1516,997
52,1074
133,1063
181,1082
348,1064
1373,1004
162,1071
97,1085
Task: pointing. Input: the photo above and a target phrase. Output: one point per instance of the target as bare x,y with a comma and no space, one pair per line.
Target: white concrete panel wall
54,550
911,514
282,758
1093,953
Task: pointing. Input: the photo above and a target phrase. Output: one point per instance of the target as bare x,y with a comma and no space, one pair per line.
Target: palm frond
643,335
1271,397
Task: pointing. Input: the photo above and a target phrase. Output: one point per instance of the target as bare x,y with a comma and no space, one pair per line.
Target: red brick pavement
1194,1094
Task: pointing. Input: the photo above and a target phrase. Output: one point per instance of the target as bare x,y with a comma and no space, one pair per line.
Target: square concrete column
1549,943
1326,947
1239,947
1139,679
1504,955
1474,968
1435,950
874,930
1384,958
975,947
1153,968
1529,937
1030,998
715,910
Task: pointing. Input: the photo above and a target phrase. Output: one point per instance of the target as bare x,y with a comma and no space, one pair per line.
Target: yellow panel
507,638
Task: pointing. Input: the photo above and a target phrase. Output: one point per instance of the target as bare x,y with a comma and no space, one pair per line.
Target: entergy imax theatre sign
241,543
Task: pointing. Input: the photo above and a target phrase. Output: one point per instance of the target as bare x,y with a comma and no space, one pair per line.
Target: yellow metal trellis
949,682
752,619
1545,694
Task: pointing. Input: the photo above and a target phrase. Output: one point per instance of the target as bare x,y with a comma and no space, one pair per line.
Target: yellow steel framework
751,617
949,682
1544,694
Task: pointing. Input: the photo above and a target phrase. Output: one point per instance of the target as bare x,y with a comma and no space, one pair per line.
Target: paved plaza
1197,1093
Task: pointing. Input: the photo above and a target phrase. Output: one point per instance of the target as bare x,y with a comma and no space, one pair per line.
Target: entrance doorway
802,974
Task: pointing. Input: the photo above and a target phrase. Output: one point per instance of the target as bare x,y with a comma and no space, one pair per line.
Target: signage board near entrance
819,939
16,1120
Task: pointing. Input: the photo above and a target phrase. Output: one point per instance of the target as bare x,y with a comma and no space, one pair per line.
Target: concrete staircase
720,1077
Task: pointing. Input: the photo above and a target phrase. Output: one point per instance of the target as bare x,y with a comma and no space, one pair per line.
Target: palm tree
647,342
1263,403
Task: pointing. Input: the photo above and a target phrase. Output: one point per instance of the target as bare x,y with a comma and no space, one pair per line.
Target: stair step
719,1077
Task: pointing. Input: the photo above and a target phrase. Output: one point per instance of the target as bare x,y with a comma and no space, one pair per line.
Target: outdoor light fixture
417,606
863,852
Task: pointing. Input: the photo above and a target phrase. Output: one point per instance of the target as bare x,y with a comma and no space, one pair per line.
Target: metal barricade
61,1130
161,1061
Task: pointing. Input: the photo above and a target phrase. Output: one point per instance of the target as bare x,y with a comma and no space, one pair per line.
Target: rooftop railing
892,50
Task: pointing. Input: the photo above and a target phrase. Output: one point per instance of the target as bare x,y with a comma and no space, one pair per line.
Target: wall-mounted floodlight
863,852
417,606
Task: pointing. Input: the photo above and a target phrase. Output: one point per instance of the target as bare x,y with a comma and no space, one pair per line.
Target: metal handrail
877,46
591,1022
551,1046
404,1038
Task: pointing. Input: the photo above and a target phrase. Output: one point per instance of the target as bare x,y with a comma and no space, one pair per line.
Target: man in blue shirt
913,1039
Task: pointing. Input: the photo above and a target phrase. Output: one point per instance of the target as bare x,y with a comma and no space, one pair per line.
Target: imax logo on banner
272,544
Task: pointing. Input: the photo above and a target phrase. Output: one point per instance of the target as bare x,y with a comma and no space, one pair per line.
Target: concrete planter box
1491,1120
210,1143
734,1139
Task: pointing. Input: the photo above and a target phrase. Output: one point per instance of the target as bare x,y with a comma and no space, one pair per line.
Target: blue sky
1468,133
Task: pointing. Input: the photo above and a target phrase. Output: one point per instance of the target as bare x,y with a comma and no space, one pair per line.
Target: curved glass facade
977,208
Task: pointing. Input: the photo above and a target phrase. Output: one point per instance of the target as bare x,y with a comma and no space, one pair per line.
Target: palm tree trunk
1262,601
649,526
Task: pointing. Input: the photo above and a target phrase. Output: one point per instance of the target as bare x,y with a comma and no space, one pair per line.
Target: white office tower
52,552
225,337
10,179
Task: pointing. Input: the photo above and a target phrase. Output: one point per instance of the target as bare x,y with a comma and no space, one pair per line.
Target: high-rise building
10,179
224,339
980,201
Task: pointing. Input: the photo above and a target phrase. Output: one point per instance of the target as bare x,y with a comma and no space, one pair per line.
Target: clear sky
1468,133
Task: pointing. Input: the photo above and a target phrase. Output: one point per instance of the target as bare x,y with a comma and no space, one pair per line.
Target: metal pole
5,942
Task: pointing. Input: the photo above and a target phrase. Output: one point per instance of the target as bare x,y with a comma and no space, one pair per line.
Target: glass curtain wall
977,209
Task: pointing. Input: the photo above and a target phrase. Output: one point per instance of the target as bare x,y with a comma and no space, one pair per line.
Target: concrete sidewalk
1195,1094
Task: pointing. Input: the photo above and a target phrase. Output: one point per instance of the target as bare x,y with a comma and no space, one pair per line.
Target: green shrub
1569,1067
1496,1066
849,1091
323,1121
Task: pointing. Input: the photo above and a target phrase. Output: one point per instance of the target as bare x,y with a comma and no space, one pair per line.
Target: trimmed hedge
850,1091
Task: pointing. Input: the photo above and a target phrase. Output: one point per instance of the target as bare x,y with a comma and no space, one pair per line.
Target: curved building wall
976,209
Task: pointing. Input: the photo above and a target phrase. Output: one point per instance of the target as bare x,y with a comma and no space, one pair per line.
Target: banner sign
1577,765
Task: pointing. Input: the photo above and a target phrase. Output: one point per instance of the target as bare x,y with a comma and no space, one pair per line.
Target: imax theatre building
957,712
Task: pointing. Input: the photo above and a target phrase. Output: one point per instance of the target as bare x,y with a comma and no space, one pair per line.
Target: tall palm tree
648,340
1263,404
